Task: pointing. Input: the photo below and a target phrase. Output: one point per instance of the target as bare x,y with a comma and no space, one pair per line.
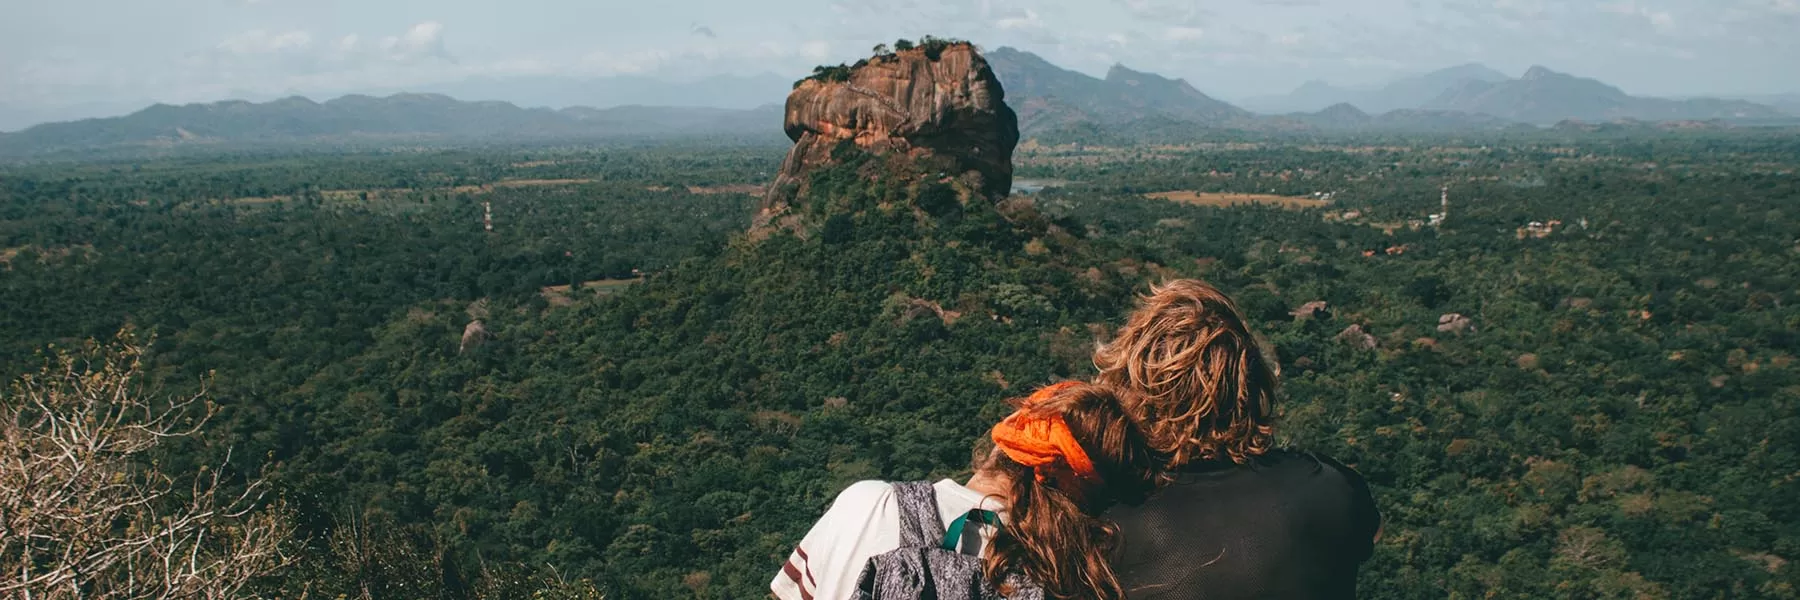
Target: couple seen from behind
1158,479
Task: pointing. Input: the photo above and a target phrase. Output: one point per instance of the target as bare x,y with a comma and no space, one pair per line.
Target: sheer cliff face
950,110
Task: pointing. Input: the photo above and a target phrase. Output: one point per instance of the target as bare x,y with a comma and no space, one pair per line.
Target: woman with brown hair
1067,453
1235,518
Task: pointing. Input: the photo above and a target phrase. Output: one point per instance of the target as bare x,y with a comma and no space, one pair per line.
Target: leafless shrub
86,511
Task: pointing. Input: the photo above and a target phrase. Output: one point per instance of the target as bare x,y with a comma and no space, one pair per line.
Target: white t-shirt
863,522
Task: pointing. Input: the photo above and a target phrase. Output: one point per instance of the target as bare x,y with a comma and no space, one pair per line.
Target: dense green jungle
1581,383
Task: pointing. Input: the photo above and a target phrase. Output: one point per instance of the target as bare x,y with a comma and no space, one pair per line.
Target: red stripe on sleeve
809,578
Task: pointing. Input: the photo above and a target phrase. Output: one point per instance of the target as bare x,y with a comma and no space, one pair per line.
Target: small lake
1033,186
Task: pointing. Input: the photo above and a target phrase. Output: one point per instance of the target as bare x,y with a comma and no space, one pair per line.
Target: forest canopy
1580,383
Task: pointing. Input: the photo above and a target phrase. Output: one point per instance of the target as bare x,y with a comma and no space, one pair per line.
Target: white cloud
1183,34
1660,20
700,60
1029,20
424,40
1164,11
257,41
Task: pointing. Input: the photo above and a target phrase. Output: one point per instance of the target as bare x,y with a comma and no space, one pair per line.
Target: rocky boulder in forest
939,107
1357,338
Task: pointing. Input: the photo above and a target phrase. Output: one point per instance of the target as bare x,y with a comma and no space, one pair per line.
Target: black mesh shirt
1288,525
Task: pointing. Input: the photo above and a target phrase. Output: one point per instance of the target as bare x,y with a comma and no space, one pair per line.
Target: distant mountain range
1462,98
717,91
1126,104
1401,94
1541,97
400,117
1544,96
1788,103
1047,96
1345,117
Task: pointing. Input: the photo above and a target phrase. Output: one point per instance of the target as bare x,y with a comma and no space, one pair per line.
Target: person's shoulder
1349,474
866,493
1313,468
1343,494
1303,460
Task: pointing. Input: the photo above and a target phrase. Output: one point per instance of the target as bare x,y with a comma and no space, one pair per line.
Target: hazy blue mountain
1416,92
1345,117
1047,96
1126,104
1422,120
1787,103
1311,96
1405,93
720,91
368,118
1155,94
1543,96
1342,115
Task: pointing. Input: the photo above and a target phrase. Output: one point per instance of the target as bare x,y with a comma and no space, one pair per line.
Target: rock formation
1454,323
473,335
942,105
1316,309
1357,338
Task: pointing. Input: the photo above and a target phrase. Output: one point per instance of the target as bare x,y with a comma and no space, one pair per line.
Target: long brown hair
1051,536
1200,384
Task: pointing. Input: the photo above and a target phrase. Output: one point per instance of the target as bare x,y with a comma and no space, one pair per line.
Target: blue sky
65,53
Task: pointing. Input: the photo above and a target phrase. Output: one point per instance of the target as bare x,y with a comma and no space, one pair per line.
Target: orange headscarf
1044,442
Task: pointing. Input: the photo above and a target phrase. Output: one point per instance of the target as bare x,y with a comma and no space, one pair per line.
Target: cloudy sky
58,56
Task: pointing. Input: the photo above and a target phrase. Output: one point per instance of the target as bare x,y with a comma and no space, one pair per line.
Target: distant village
1530,230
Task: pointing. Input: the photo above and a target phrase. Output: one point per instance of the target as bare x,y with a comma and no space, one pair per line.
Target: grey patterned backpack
927,564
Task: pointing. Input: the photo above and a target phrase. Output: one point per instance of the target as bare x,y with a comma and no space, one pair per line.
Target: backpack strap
953,538
920,524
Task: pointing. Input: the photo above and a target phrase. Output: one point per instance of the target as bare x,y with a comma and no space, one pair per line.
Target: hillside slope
1048,96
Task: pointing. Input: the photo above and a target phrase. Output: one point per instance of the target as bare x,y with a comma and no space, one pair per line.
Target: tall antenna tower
1443,213
487,216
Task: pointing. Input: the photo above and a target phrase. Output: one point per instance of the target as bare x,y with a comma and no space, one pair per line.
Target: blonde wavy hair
1200,384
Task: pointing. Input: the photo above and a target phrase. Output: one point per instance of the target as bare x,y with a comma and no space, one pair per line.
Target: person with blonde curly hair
1234,517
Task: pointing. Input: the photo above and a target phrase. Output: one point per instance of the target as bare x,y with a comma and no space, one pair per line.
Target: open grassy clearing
729,188
564,295
383,193
1235,199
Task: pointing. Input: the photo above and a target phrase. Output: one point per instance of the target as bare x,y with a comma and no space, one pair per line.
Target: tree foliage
1617,420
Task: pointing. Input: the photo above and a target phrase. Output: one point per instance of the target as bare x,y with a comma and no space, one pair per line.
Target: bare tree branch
84,511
